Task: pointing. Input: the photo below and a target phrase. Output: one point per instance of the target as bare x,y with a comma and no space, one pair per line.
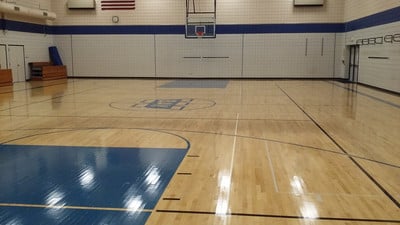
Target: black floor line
281,216
287,143
216,133
144,117
32,88
367,95
67,130
341,148
49,99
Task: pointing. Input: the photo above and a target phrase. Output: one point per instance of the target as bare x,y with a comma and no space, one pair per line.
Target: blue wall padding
54,56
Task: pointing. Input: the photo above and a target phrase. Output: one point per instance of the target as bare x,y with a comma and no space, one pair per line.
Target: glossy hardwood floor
259,151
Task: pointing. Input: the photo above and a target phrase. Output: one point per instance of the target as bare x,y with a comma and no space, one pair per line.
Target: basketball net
199,34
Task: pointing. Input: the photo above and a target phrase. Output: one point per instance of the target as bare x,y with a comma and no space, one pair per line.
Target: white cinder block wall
238,55
289,55
180,57
229,55
355,9
35,44
379,63
172,12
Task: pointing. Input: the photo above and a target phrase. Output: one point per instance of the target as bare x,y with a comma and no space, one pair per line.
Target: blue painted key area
120,178
30,216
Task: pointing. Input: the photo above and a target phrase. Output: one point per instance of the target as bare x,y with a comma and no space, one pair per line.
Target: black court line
171,199
281,142
222,134
80,129
184,174
281,216
341,148
367,95
151,118
32,88
287,143
57,97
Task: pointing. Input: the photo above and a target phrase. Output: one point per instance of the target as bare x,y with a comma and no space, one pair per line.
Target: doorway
3,56
16,62
354,58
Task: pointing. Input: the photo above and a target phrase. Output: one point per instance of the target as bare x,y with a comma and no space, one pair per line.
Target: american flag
117,4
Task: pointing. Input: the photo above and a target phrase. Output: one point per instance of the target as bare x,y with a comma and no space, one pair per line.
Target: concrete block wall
172,12
255,38
378,64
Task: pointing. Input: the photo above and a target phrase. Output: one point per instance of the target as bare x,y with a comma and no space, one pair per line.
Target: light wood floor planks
261,151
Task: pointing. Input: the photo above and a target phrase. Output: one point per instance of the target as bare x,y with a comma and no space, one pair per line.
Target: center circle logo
167,104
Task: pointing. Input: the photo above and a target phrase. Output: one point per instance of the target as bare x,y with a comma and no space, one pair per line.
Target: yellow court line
74,207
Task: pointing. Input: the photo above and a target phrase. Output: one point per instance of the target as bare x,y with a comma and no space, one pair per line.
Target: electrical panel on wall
308,2
81,4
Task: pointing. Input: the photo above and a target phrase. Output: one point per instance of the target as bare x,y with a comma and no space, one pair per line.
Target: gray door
3,57
353,65
16,62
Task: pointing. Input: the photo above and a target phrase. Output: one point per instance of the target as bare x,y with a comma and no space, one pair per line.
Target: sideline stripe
74,207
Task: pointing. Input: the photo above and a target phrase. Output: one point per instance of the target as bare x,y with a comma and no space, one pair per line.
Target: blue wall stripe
167,29
220,29
23,26
388,16
2,24
385,17
281,28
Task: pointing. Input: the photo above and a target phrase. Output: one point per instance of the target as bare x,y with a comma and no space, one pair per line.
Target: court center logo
170,104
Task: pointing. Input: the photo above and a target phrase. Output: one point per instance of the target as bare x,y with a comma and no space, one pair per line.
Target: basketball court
82,151
284,119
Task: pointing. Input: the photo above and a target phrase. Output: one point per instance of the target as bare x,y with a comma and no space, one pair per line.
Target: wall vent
81,4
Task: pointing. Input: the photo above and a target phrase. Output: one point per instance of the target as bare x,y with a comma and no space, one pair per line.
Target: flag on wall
117,4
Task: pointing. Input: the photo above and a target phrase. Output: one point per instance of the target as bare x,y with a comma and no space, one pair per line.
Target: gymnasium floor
198,152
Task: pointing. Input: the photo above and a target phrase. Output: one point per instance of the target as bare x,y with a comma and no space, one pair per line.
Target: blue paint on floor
43,216
163,103
171,104
193,83
129,178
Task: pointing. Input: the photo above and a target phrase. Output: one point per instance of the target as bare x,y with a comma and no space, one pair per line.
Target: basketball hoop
199,34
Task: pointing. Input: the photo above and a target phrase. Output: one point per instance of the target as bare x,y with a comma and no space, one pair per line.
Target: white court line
233,154
225,181
234,141
272,168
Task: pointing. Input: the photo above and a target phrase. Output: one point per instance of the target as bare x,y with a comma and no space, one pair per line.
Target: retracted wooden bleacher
47,71
6,78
